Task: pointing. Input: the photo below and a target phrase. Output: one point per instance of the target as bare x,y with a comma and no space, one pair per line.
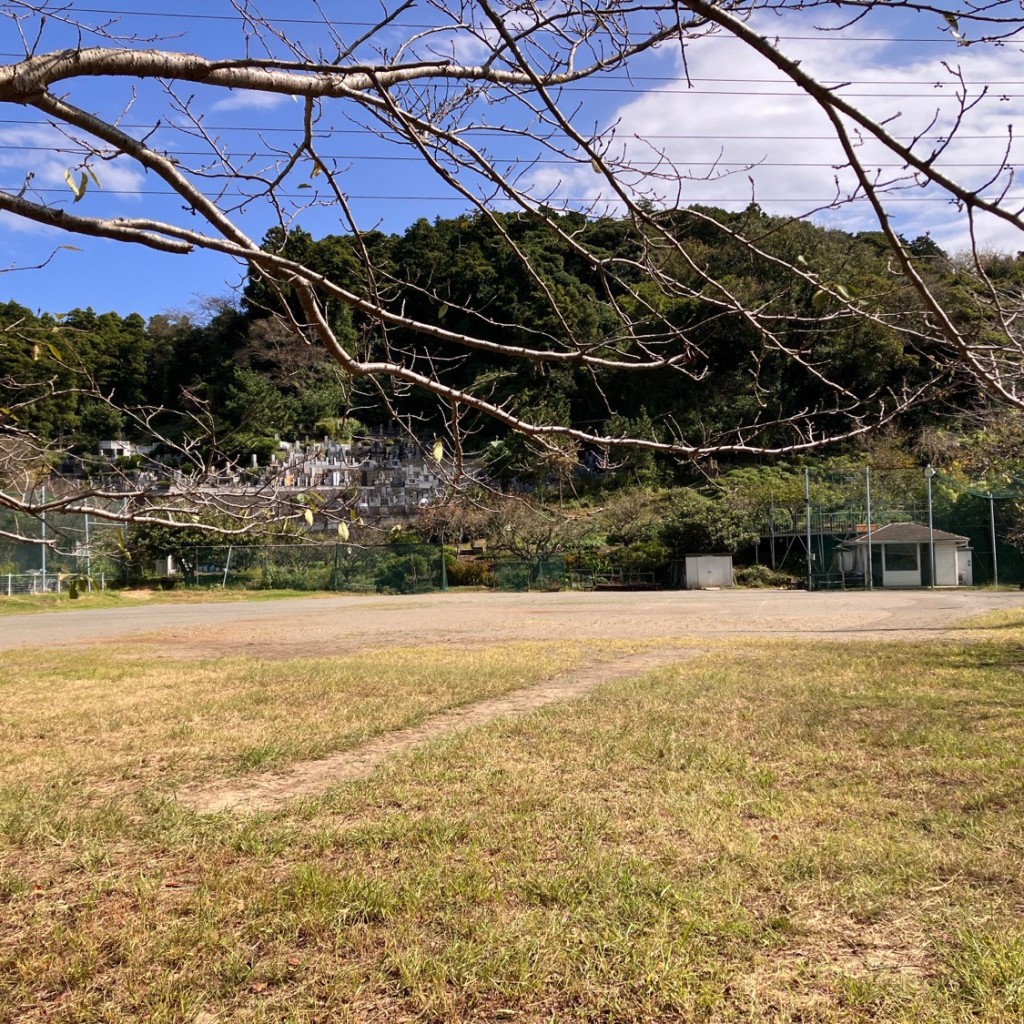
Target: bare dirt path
313,777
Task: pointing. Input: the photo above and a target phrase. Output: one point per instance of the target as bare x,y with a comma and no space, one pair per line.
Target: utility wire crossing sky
724,128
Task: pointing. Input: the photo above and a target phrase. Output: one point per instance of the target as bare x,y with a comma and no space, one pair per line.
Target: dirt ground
321,626
324,626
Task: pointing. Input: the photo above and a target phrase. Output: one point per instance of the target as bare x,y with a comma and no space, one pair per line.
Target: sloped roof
908,533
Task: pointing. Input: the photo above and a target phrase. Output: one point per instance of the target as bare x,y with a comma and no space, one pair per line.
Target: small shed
704,571
901,556
165,565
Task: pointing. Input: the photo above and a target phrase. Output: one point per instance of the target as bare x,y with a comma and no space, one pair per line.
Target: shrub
405,574
466,573
648,556
761,576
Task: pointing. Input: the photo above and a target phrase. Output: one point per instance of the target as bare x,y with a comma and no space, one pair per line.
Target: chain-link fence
14,583
59,543
803,520
64,544
817,514
543,572
391,569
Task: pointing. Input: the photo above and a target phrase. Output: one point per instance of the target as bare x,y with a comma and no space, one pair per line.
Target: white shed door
708,571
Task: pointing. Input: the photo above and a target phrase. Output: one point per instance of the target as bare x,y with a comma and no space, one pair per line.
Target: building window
901,558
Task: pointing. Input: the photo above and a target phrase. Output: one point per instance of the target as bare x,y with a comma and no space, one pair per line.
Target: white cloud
47,155
242,99
23,226
740,131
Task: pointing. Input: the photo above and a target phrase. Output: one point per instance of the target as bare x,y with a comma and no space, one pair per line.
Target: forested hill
68,377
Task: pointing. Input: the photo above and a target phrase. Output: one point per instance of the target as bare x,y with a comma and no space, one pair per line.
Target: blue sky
735,132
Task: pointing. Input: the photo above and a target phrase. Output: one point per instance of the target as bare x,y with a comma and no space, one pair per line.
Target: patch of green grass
1000,619
772,832
985,970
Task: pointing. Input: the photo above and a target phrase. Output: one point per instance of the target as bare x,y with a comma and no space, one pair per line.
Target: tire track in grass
311,778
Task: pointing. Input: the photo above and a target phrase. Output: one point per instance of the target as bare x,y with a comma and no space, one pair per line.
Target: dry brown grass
122,720
783,832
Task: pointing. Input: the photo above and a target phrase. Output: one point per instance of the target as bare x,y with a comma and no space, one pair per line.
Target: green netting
393,569
544,572
838,509
512,576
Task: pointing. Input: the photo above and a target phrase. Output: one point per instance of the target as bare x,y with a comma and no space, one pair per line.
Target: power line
749,93
941,37
305,196
325,133
508,161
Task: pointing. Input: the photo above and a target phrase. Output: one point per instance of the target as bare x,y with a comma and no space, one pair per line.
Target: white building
902,555
120,449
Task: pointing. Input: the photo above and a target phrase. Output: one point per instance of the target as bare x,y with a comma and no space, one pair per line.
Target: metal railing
40,582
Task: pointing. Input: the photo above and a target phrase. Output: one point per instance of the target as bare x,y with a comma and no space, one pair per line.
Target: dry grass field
753,830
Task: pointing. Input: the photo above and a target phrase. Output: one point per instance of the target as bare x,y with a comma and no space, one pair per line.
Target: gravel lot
332,625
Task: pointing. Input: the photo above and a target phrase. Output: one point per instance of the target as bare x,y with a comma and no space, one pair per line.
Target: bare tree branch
520,85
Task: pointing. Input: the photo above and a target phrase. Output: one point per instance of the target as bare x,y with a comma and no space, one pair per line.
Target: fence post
8,584
227,566
869,575
807,516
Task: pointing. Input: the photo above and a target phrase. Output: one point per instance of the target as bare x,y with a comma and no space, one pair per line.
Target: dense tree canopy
673,327
73,377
